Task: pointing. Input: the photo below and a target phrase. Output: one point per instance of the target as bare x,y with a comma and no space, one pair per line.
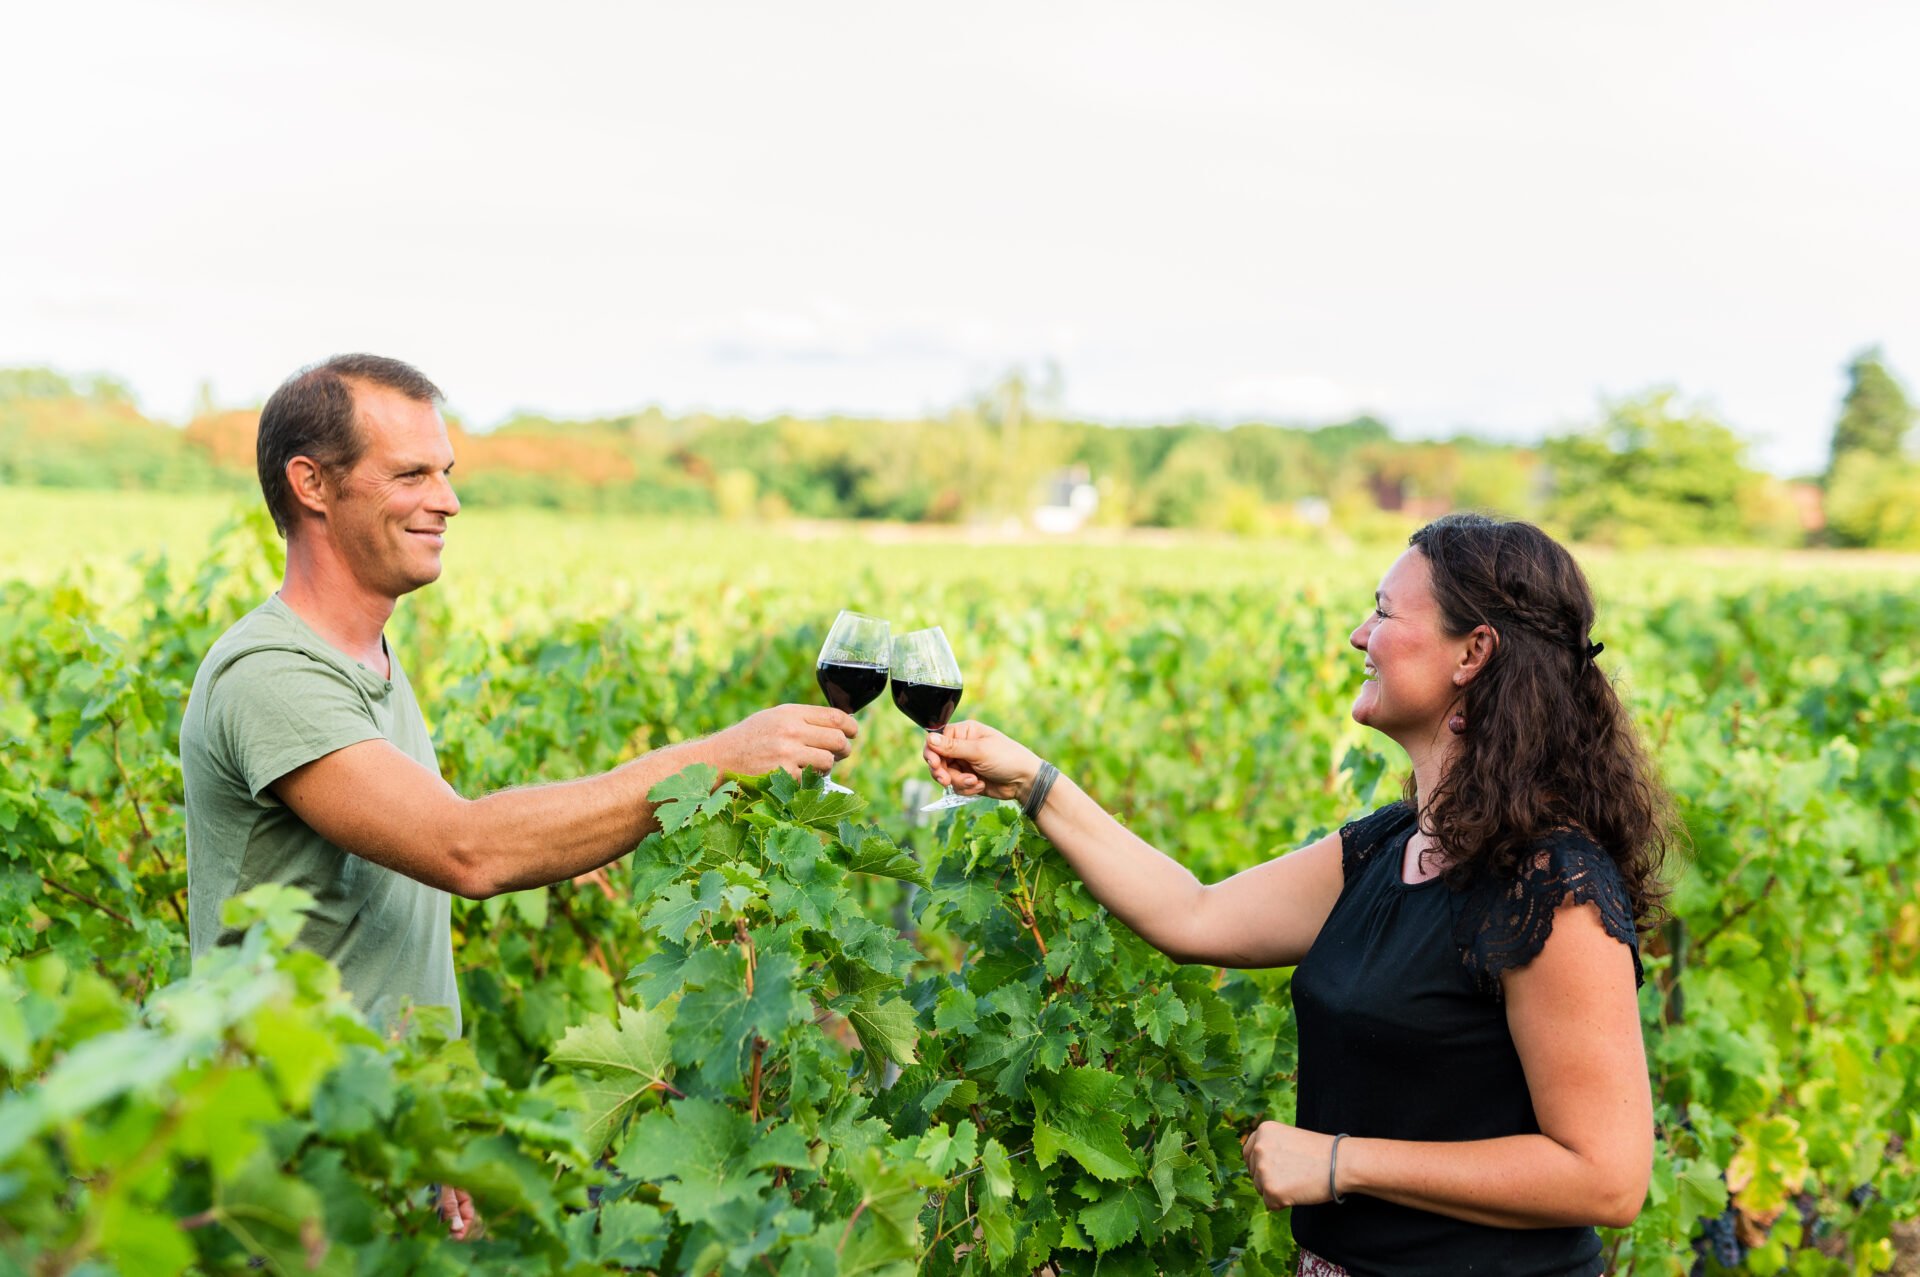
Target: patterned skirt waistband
1311,1265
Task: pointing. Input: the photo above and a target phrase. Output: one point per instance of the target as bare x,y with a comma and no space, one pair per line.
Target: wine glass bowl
926,688
852,666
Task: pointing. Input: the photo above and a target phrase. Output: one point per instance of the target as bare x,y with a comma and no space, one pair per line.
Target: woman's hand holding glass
973,760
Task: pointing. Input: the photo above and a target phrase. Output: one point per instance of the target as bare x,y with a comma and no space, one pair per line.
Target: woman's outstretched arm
1266,916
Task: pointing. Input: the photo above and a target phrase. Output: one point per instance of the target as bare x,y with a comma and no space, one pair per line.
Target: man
305,756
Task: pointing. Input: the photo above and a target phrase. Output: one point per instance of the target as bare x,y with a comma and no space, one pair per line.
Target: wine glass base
832,786
950,802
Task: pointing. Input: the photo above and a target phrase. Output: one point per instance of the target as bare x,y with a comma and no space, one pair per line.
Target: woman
1473,1087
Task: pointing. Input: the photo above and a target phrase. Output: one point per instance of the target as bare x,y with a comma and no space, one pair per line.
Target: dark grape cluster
1718,1237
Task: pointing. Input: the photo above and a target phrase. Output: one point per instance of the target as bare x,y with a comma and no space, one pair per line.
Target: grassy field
599,563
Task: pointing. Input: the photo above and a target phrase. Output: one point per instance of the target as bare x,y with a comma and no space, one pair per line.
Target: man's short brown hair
311,415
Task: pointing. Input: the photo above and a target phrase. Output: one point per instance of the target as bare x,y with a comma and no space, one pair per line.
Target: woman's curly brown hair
1547,745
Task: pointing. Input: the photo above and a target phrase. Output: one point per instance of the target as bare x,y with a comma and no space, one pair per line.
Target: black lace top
1403,1035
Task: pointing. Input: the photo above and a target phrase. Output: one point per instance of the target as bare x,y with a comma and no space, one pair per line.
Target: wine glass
852,668
927,687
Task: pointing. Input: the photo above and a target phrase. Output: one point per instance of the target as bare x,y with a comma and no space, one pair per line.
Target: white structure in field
1071,501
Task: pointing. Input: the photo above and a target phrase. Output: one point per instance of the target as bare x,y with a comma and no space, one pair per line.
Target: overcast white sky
1477,216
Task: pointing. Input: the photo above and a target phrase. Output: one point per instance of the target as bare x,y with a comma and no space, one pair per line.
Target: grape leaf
140,1241
794,848
680,907
824,808
877,855
223,1116
689,793
716,1024
892,1193
665,971
1118,1216
1095,1143
625,1059
956,1011
1769,1166
705,1155
886,1030
944,1150
278,1219
357,1095
632,1235
1157,1013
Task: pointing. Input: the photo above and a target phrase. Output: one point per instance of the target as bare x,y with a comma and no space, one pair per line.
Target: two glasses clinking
861,656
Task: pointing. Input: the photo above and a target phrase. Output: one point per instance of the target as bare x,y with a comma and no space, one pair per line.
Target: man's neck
340,609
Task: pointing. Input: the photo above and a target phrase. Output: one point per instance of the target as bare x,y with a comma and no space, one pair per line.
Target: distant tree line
1650,469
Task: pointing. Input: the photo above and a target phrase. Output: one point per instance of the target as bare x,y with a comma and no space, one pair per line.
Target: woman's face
1411,662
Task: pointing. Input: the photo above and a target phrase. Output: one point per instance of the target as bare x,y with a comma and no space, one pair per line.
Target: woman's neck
1431,759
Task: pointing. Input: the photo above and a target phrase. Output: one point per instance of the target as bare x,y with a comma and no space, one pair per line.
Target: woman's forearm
1148,890
1518,1181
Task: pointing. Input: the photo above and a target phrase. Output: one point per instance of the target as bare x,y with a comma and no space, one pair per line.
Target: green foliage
797,1033
1874,500
85,432
1109,1086
1655,472
246,1116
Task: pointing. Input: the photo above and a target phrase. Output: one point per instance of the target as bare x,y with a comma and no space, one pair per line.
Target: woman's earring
1457,724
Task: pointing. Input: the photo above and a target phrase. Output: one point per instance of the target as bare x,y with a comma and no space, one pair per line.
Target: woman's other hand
1288,1165
975,759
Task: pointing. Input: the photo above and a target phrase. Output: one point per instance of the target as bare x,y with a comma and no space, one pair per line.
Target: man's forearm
521,838
1519,1181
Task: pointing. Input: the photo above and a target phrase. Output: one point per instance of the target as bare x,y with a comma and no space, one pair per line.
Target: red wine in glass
852,666
926,688
850,686
929,704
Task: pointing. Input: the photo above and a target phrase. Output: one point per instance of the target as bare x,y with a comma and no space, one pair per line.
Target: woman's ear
1478,649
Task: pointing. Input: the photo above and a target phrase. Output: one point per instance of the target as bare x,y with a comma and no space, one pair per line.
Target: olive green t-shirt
270,696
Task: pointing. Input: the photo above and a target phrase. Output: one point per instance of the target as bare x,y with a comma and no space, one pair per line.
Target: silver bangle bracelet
1333,1163
1038,791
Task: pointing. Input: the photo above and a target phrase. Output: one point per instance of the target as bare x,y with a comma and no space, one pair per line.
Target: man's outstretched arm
376,802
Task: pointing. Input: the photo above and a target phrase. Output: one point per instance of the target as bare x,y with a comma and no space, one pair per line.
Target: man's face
390,514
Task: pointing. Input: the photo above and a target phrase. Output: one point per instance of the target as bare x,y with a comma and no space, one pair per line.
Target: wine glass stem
949,789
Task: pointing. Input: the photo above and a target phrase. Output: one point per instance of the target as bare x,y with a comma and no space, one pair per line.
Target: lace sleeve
1504,927
1359,839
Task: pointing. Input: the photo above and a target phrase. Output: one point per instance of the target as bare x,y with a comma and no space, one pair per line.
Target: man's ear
1480,647
309,484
